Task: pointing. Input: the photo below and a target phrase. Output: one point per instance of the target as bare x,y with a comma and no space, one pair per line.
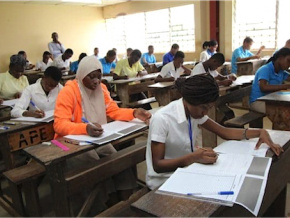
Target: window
264,21
160,28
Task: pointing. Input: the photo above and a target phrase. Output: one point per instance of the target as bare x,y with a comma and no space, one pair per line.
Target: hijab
93,103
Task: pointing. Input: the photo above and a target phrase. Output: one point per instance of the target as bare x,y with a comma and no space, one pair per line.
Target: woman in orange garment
87,97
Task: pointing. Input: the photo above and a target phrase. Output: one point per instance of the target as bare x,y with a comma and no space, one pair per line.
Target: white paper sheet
10,103
243,79
47,118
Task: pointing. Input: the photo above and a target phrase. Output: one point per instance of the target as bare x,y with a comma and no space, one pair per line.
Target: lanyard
190,133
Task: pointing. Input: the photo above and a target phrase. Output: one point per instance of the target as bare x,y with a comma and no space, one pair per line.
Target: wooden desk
64,184
20,136
250,67
5,112
273,204
278,109
164,92
65,78
32,75
140,84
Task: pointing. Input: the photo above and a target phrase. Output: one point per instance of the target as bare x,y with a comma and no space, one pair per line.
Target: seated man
40,97
128,53
13,82
243,54
108,63
210,67
168,57
74,65
62,62
148,58
45,62
173,70
28,65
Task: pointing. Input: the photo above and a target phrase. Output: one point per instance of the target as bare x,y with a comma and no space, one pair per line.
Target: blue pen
86,121
4,127
34,105
212,193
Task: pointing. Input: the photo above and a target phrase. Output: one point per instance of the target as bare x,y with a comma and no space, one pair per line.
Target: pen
212,193
34,105
4,127
86,121
217,153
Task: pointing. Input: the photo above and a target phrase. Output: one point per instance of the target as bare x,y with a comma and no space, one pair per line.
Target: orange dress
68,110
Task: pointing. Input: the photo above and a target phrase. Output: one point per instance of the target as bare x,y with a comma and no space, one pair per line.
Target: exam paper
47,118
10,103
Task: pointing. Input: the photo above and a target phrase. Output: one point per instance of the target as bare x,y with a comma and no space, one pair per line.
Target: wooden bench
25,178
254,119
142,102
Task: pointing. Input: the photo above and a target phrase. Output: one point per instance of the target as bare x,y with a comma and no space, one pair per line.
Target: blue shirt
149,58
107,66
239,53
266,72
210,53
74,66
168,57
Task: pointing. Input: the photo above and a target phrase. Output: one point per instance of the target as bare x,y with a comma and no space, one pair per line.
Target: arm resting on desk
161,79
265,87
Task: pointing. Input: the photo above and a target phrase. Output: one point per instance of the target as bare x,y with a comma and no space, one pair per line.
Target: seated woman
40,97
45,62
269,78
28,65
13,82
210,48
74,65
86,97
173,129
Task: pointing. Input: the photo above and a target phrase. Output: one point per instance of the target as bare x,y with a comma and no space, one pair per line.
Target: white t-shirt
204,56
168,71
169,125
56,49
199,69
42,66
36,94
59,63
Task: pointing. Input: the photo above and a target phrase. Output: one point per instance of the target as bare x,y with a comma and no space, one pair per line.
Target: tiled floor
44,188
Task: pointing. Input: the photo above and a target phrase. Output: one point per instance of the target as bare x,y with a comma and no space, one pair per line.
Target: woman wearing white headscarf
86,97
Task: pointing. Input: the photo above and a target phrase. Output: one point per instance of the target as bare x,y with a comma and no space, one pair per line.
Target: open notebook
47,118
112,131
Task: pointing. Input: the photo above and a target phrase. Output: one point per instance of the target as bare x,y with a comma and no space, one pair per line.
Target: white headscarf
93,103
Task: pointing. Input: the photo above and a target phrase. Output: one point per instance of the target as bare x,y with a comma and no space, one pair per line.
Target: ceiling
97,3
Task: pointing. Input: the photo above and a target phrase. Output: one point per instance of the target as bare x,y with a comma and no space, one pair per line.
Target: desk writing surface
147,76
281,96
161,85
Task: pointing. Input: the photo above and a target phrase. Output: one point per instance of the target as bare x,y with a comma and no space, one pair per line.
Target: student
13,82
108,63
210,49
149,57
128,53
130,67
117,59
243,54
96,53
169,143
269,78
28,65
55,47
42,94
45,62
168,57
173,70
87,97
210,66
287,45
74,65
63,61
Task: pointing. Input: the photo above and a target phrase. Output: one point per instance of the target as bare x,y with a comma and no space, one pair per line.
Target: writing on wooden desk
30,137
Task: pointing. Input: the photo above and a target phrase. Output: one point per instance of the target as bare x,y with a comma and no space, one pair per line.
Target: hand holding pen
93,129
38,113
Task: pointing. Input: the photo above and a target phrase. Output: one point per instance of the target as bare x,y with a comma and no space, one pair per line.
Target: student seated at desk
108,63
45,62
62,62
74,65
128,53
40,97
148,57
173,128
210,48
210,67
13,82
168,57
243,54
28,65
86,97
173,70
269,78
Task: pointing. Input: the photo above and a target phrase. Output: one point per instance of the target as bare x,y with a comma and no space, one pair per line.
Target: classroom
115,108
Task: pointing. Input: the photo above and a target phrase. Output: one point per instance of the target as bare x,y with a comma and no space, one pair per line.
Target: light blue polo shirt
266,72
239,53
107,66
149,58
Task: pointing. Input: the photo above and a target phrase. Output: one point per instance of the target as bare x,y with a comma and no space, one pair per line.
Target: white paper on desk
184,181
47,118
243,79
241,147
10,103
